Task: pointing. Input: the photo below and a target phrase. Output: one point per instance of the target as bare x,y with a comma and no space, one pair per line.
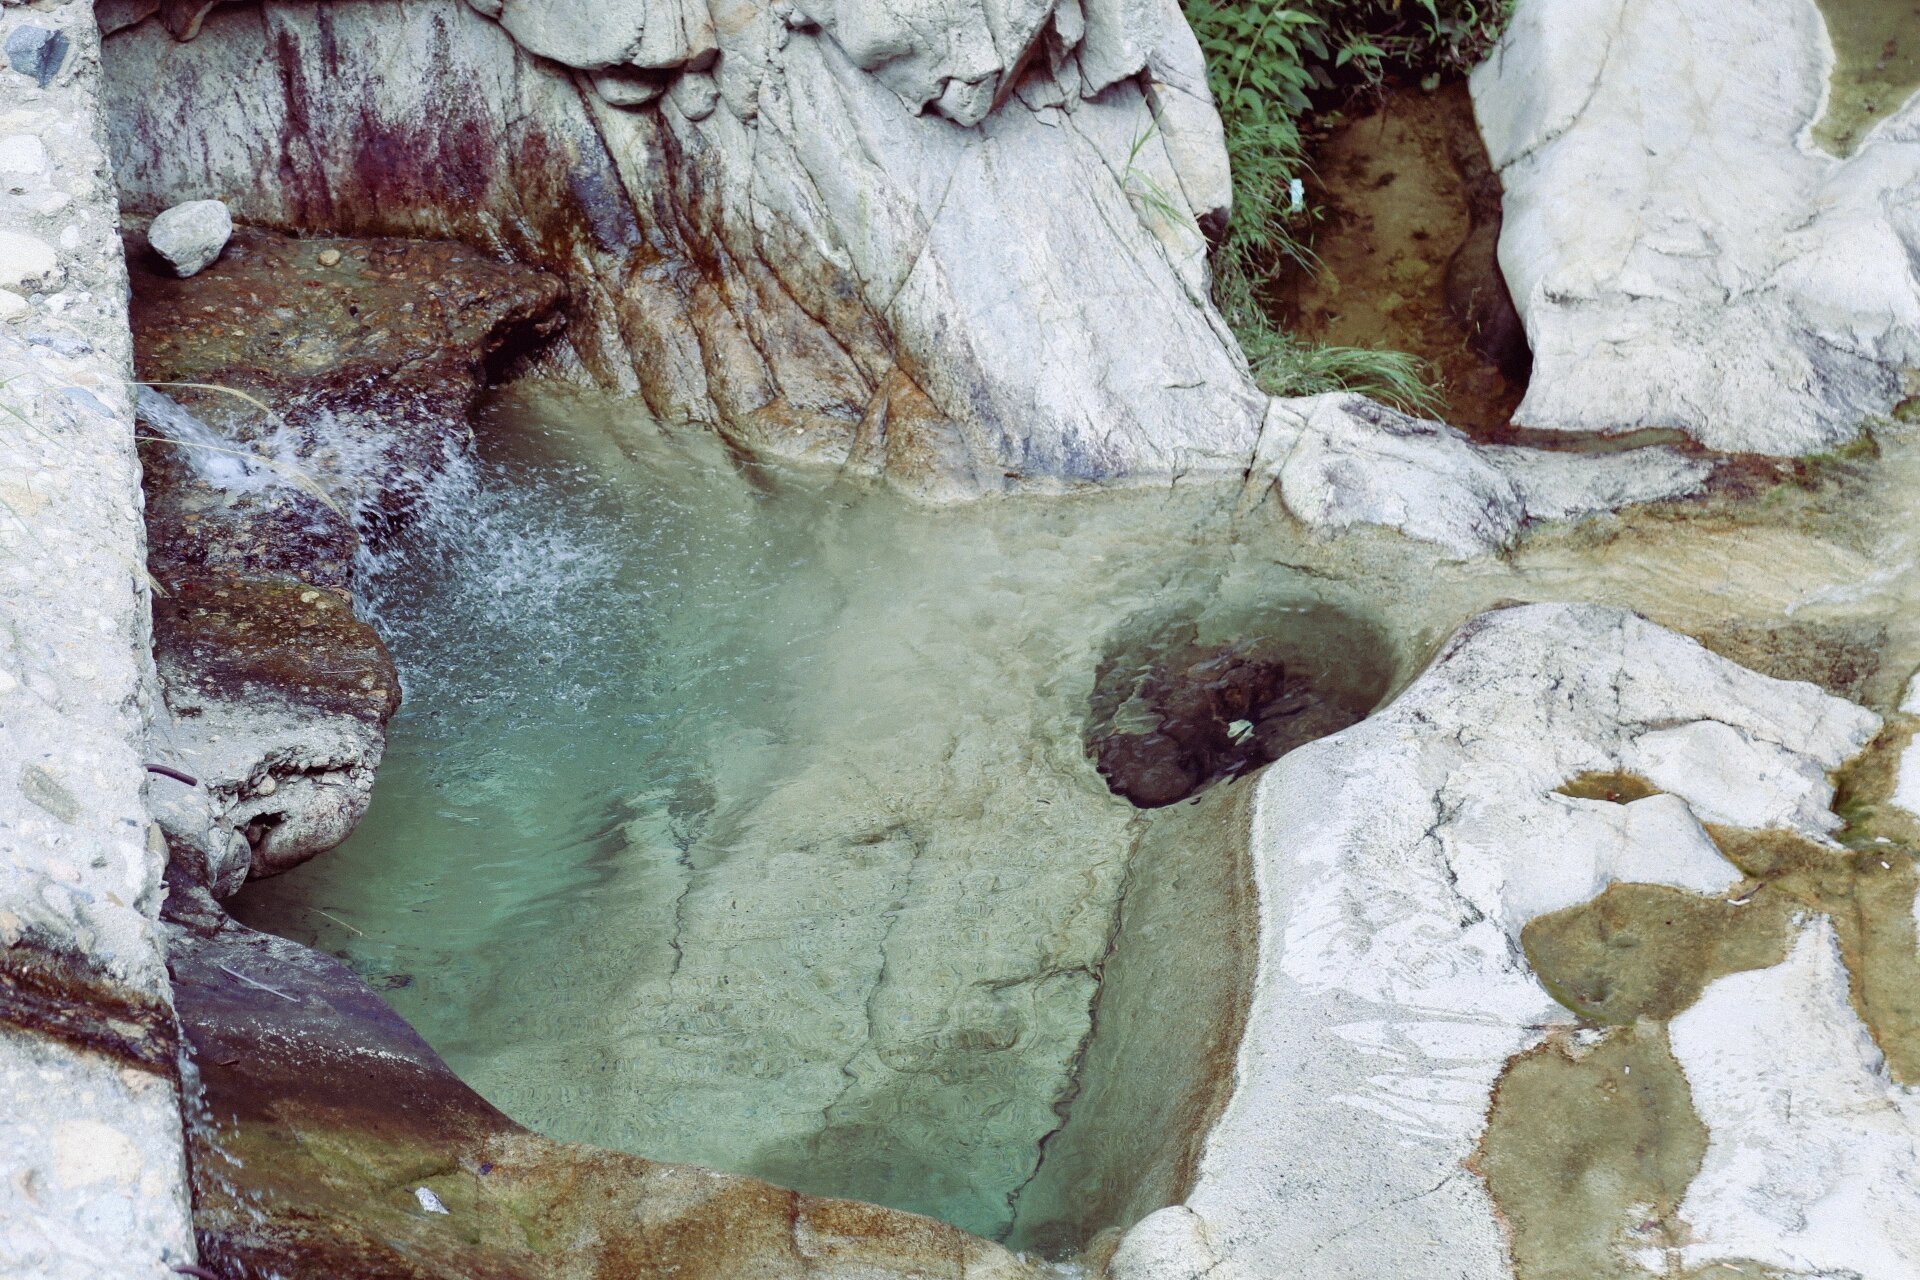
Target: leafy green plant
1270,63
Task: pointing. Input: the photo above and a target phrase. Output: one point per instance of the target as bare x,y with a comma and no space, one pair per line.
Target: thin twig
263,986
337,920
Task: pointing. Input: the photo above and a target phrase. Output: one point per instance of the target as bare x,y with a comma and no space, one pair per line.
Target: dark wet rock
343,372
369,364
323,1114
1478,297
37,53
1173,715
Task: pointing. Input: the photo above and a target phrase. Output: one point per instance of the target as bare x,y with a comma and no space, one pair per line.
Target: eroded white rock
1813,1153
1681,253
1396,863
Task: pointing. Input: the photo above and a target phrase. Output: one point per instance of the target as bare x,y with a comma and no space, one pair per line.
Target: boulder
191,235
1339,460
779,249
1398,862
1680,250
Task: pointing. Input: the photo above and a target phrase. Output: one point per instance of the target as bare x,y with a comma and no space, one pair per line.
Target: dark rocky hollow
1173,713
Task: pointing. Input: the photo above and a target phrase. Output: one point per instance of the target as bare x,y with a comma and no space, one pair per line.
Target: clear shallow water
745,819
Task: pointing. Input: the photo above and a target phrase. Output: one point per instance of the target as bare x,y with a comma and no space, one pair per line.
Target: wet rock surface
330,386
1172,715
321,1116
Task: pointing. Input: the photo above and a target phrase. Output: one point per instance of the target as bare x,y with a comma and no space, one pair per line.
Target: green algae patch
1876,45
1589,1147
1869,894
1648,951
1615,788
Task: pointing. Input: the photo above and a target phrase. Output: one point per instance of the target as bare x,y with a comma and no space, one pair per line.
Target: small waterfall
214,458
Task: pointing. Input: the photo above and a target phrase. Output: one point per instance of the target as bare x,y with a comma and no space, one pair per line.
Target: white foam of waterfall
214,458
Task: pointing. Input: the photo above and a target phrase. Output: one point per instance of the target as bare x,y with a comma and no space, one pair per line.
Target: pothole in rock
1182,703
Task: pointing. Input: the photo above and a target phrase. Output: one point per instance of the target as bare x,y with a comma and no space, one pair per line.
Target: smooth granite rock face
763,239
1397,863
1340,460
1681,250
90,1135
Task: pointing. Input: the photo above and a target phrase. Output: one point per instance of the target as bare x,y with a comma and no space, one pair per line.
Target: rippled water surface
745,819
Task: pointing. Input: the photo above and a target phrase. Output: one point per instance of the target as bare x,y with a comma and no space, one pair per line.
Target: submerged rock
330,1141
1681,253
191,235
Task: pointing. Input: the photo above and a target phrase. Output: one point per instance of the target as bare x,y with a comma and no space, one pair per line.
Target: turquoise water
744,818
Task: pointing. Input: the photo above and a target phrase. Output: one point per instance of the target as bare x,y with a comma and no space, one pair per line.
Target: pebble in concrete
38,52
